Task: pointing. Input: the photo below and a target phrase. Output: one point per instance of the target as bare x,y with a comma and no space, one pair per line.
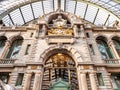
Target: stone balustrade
7,61
112,61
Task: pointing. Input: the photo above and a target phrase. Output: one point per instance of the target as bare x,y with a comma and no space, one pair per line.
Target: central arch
59,69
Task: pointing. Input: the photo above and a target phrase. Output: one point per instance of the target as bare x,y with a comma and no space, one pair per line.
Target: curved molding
4,35
115,35
15,37
63,49
101,35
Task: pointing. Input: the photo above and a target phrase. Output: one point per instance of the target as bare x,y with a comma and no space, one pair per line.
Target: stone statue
4,86
116,24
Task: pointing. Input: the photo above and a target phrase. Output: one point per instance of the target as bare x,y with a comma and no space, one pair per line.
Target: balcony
6,62
112,61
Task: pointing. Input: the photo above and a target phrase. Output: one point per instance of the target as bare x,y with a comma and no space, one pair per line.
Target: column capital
29,72
8,43
92,72
38,72
110,42
83,72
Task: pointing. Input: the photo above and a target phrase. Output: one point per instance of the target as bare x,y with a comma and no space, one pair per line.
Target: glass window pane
104,50
101,18
27,13
91,12
70,6
4,77
19,79
62,4
37,8
14,49
80,10
2,43
16,17
48,6
56,4
7,21
100,79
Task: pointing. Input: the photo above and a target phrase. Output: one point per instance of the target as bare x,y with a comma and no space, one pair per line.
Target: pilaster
93,81
83,81
37,80
27,81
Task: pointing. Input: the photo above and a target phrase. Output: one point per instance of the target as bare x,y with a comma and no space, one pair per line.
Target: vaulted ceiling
98,12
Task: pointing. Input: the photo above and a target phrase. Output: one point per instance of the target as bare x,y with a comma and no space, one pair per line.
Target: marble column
6,47
112,46
27,81
37,80
83,81
93,81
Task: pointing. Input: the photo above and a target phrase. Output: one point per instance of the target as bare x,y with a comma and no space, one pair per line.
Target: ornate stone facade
61,46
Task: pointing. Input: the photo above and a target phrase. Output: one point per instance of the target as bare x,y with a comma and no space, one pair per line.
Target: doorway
60,73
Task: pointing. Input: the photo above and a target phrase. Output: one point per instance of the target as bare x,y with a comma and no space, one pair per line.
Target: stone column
109,76
6,47
83,81
27,81
37,80
112,46
93,81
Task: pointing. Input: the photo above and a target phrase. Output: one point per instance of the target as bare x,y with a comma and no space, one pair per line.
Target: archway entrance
60,73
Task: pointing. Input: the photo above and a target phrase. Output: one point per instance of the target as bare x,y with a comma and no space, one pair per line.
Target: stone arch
15,37
3,37
114,36
103,36
65,49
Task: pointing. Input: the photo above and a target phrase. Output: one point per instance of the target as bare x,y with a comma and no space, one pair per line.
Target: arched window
14,49
2,43
117,46
104,49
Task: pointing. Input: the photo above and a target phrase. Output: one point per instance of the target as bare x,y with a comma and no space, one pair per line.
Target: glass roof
98,12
